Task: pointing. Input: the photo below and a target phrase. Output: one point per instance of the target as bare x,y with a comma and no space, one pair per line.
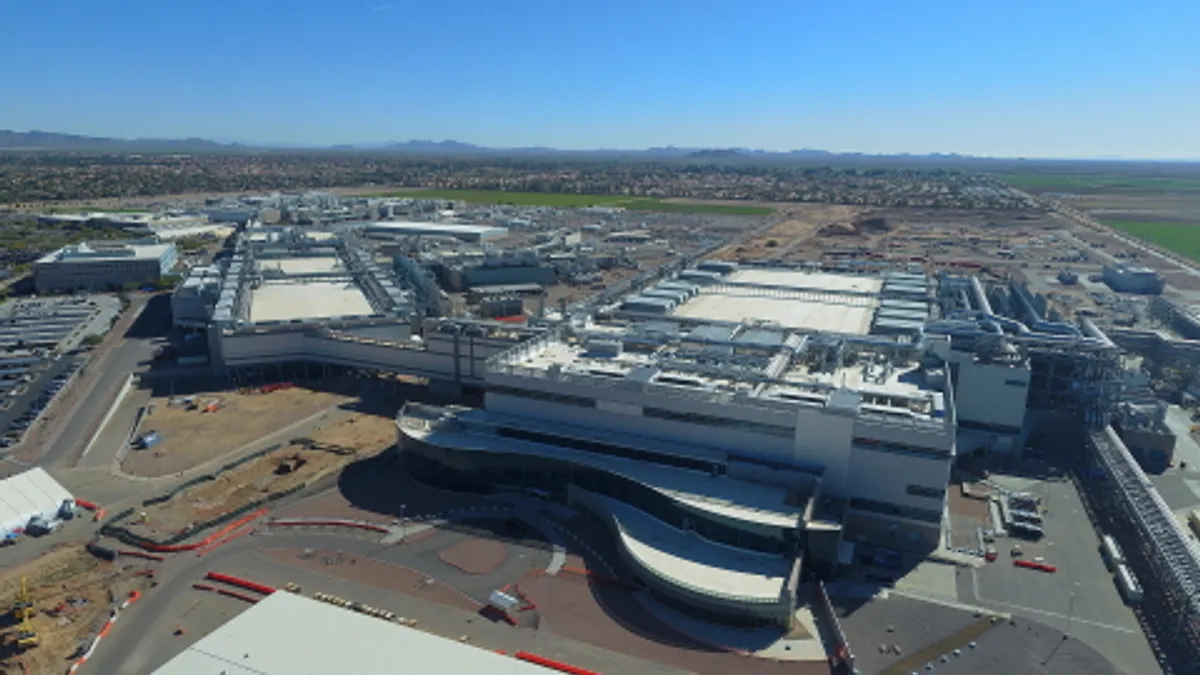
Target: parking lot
24,399
1080,598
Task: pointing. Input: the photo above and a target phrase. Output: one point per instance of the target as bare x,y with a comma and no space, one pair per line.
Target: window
715,421
607,449
581,401
1016,383
890,509
922,491
901,448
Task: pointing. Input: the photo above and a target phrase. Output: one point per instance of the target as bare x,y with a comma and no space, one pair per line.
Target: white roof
694,563
26,495
289,301
288,634
435,228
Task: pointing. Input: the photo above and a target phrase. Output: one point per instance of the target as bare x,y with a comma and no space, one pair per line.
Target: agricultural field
1099,183
1182,238
568,201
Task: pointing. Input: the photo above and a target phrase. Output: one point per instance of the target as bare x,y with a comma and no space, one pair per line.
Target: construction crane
23,608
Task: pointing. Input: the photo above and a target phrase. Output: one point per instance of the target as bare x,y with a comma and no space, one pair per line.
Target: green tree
91,340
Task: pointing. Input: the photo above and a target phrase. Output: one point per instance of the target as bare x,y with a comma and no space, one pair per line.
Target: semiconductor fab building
733,427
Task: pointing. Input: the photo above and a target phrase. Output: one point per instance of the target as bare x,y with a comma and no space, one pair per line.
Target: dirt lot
191,437
66,572
330,450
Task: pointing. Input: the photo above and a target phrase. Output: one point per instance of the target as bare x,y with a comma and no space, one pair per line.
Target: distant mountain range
53,141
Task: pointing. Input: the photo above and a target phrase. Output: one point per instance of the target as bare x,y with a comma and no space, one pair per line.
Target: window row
716,421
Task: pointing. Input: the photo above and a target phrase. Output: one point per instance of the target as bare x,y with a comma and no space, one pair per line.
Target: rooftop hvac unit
608,348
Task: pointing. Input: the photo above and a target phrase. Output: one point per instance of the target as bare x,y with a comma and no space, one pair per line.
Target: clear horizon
1095,81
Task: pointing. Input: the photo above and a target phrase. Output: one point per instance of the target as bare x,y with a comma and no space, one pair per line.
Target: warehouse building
103,265
288,634
29,496
1132,279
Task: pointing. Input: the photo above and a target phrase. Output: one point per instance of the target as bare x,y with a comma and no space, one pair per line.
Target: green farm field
1181,238
1087,183
559,200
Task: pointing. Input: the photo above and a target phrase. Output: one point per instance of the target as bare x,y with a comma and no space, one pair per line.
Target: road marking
1075,619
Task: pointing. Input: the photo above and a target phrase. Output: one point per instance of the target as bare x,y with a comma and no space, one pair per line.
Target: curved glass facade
480,471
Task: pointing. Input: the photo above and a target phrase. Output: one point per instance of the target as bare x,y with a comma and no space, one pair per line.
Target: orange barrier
239,596
225,591
240,583
1029,564
554,665
99,515
328,523
85,504
216,544
176,548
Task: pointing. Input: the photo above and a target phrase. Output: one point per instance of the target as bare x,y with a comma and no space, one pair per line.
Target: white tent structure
27,495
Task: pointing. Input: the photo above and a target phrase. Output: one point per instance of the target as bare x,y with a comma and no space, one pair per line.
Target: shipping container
1113,556
1131,590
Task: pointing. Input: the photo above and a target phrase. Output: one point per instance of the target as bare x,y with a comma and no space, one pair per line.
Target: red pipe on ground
554,665
83,503
141,554
239,596
327,523
240,583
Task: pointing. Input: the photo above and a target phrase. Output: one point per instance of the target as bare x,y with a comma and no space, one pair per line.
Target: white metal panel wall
992,394
823,437
29,494
885,477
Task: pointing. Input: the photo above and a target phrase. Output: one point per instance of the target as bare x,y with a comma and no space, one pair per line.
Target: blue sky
1047,78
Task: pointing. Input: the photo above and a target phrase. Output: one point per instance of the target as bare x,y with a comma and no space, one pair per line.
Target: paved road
142,640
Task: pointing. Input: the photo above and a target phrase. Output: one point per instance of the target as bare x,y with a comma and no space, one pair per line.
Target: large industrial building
289,298
103,265
735,425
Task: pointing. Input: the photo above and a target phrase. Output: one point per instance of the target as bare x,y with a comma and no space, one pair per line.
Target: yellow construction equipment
27,637
23,608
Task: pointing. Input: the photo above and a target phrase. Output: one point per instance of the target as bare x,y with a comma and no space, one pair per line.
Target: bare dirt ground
474,556
799,223
192,437
67,574
966,514
331,450
372,572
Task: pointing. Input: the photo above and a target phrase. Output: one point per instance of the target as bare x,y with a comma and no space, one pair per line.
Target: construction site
176,433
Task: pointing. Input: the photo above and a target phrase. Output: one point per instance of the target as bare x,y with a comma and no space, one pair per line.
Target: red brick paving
611,618
474,556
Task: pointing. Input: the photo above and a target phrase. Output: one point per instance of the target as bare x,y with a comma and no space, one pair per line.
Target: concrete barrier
134,596
141,554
